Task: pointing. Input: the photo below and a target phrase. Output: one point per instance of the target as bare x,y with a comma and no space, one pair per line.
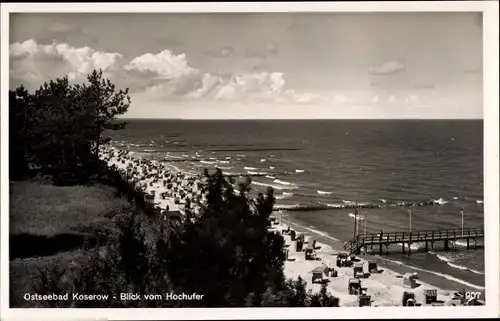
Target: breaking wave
275,186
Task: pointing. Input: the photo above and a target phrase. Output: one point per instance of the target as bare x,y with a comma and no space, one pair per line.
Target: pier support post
426,246
409,248
468,241
446,246
432,245
403,247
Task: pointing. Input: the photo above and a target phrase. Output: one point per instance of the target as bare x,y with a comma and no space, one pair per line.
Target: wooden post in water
409,245
446,248
355,221
462,211
380,242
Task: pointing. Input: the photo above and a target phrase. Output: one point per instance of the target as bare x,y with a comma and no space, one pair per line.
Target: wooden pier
448,236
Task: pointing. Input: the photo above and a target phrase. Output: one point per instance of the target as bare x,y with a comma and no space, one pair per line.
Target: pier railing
406,237
421,236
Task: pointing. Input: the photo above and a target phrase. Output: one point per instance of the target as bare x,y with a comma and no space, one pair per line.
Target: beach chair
298,246
341,259
430,296
285,252
354,286
372,267
309,253
358,270
409,299
365,300
409,281
317,274
331,272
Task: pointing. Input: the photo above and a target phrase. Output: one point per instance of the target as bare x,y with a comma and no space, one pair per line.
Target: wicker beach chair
358,270
354,286
409,299
317,274
309,253
298,246
409,281
430,296
372,267
364,300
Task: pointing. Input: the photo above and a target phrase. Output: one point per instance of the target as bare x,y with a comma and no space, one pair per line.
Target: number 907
472,295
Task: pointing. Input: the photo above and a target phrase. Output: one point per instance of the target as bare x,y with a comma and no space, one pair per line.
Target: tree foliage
227,252
59,126
224,251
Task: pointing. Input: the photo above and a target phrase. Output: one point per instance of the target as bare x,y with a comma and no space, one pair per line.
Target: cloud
387,68
252,86
167,75
164,65
32,64
159,76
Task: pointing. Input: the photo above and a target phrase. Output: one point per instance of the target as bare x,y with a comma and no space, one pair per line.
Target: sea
333,163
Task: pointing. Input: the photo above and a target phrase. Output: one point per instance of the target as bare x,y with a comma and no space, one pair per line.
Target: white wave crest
440,201
275,186
282,182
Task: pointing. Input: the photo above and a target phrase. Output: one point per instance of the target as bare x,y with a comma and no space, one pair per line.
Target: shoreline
438,281
386,288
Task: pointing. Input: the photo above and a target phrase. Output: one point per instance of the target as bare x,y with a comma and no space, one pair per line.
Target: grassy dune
50,210
46,216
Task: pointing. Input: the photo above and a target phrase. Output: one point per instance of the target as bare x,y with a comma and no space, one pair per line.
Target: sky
263,65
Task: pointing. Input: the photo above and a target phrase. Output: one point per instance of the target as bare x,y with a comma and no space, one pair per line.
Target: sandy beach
385,287
170,188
